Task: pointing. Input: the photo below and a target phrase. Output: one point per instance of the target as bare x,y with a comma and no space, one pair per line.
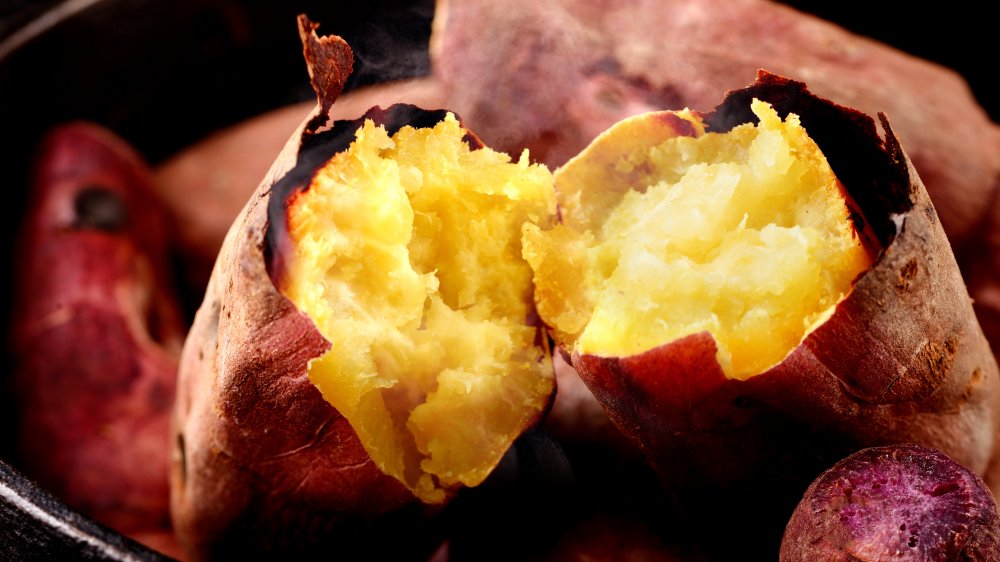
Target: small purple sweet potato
902,503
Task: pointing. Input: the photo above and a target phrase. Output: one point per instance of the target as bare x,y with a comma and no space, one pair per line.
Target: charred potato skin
901,359
319,148
96,332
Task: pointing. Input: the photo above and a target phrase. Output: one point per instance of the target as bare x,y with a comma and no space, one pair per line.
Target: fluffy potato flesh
408,259
746,235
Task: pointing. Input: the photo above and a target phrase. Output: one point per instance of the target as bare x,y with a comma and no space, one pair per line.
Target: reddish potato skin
96,332
901,502
902,359
263,465
578,419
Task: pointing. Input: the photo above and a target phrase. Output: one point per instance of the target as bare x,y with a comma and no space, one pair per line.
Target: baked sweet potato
665,293
96,333
899,502
613,60
367,337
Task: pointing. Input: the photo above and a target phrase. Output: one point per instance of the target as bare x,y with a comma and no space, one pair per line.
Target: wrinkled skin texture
901,359
616,58
903,502
96,334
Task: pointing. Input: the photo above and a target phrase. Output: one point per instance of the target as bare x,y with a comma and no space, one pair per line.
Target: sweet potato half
368,342
744,312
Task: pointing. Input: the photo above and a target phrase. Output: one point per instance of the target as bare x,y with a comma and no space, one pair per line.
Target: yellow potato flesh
745,235
408,259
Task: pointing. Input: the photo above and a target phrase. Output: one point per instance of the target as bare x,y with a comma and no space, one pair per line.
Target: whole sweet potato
96,332
900,357
899,502
264,461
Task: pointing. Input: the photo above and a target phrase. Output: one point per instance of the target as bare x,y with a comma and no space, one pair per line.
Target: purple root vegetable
902,503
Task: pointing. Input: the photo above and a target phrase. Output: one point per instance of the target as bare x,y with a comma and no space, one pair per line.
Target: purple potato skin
903,502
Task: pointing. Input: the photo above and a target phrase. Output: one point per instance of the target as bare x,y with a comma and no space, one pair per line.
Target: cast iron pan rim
33,523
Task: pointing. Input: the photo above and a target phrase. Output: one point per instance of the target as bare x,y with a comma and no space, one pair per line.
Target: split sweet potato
899,502
367,339
96,333
733,390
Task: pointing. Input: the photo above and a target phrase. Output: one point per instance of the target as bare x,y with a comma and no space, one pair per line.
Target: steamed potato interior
408,258
745,235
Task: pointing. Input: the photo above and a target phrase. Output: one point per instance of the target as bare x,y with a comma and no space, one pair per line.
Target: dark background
954,34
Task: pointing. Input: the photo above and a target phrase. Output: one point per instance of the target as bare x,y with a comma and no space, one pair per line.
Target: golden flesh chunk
408,259
746,235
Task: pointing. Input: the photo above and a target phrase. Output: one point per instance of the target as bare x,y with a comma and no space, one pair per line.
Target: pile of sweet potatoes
636,453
